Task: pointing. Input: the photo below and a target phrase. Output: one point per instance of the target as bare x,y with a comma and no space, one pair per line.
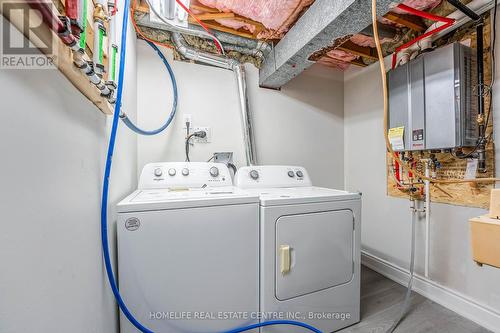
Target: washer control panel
184,175
268,176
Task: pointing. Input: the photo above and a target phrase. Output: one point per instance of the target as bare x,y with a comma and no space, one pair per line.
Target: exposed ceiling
336,33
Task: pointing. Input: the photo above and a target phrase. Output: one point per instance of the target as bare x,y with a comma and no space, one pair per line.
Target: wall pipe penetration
239,71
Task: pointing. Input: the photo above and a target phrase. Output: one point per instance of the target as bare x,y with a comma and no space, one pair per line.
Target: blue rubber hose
273,323
140,131
107,172
104,204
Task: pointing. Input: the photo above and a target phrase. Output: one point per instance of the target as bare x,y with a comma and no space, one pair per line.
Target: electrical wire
385,95
187,146
218,44
232,167
139,31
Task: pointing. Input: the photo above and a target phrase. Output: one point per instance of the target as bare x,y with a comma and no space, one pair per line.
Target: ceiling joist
356,49
408,21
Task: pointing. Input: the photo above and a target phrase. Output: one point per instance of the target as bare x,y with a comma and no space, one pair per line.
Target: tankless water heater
432,102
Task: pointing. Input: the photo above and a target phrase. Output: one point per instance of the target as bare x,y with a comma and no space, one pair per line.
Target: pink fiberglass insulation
341,55
367,41
273,14
330,62
418,4
363,40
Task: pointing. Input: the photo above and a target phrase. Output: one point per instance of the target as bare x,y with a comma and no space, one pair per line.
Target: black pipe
481,145
464,9
481,149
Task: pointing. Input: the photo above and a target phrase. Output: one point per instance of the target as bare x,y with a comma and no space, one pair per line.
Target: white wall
53,144
386,229
300,125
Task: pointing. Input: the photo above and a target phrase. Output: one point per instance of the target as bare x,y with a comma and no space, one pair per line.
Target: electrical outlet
187,118
206,139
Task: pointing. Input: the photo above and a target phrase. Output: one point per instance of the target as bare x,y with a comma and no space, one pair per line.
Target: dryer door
314,251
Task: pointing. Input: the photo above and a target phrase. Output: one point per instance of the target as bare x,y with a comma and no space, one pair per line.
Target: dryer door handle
285,259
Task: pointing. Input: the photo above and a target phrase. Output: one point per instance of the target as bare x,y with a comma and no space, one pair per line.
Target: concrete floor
381,301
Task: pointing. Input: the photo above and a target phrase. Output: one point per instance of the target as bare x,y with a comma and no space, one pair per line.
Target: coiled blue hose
136,129
104,203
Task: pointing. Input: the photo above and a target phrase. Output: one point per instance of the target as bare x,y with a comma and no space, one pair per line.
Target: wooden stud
216,26
358,62
249,21
214,16
204,8
408,21
362,51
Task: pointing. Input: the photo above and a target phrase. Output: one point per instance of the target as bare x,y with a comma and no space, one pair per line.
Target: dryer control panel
270,176
184,175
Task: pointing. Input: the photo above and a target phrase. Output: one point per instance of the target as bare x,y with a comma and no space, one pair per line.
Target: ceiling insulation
418,4
272,19
277,16
164,37
365,41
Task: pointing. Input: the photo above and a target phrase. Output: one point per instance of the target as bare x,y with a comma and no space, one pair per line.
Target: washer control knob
254,174
172,172
185,172
291,174
299,174
158,172
214,171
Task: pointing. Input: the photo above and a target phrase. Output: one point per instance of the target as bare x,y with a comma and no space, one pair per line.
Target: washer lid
160,199
301,195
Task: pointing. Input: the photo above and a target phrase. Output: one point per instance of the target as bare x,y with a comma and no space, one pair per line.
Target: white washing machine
310,249
188,255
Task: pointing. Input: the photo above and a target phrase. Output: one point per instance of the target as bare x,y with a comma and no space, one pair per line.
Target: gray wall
300,125
386,229
53,144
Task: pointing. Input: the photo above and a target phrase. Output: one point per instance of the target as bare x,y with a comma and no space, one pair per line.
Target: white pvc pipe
478,6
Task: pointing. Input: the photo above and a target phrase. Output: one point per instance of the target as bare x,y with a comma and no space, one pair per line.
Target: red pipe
52,21
186,9
396,172
448,22
71,9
